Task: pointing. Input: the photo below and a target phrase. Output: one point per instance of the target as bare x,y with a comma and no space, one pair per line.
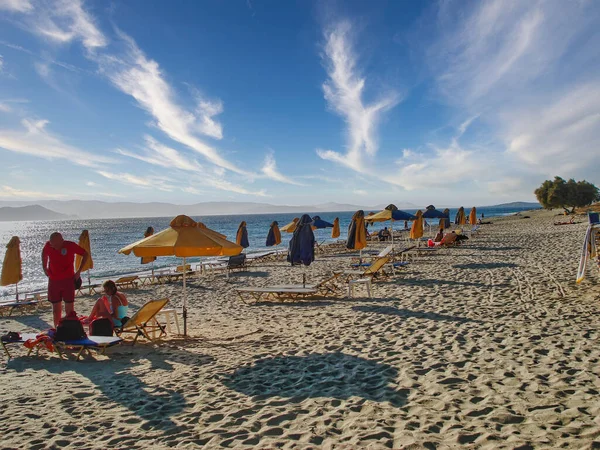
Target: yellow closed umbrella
84,242
357,234
473,216
460,218
416,231
290,227
12,265
184,238
335,231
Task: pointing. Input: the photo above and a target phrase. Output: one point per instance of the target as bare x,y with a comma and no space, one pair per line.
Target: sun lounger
374,270
143,322
99,343
325,288
232,264
127,282
7,308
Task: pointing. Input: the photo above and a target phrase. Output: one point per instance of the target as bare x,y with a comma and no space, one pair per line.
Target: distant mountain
31,212
92,209
519,205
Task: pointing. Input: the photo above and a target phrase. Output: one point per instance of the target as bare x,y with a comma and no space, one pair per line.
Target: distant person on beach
112,305
406,224
58,261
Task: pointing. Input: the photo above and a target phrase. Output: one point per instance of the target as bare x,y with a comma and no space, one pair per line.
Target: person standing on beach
58,258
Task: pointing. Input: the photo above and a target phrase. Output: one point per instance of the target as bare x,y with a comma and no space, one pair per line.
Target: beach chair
325,288
376,269
127,282
383,253
81,346
143,322
7,308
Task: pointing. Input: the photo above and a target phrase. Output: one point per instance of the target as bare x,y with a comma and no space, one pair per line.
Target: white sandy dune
490,345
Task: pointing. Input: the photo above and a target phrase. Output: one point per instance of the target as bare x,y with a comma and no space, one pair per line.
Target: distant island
92,209
30,212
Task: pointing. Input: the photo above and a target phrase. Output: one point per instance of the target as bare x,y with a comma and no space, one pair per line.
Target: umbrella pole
17,290
89,280
392,233
184,301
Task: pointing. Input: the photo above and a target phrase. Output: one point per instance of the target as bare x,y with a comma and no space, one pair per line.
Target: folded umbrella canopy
473,216
357,234
184,238
416,230
302,244
241,238
12,265
274,236
318,223
148,259
432,213
460,218
84,243
445,222
290,227
335,232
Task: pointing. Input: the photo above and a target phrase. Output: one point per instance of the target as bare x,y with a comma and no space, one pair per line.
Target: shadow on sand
407,313
153,403
490,265
329,375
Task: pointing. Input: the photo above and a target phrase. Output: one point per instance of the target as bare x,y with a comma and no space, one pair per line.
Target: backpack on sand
69,329
101,327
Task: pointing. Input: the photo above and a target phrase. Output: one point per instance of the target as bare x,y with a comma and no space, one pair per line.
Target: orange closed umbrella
335,231
473,216
84,243
357,233
290,227
13,265
416,230
274,235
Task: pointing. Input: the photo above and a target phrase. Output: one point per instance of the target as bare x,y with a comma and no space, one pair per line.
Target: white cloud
21,6
269,169
5,108
63,21
1,63
11,193
344,91
160,155
37,141
360,192
92,184
192,190
153,181
136,75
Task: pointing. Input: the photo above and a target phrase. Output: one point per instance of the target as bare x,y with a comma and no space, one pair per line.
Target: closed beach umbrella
319,223
460,218
274,236
12,265
416,230
84,242
184,238
357,234
335,232
432,213
290,227
473,216
241,238
148,259
302,244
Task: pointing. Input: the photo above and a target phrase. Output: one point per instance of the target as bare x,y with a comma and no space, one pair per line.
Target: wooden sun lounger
275,292
374,270
128,282
143,322
81,346
25,306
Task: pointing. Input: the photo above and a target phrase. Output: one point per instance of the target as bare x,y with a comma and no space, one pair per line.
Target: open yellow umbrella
12,266
290,227
184,238
335,231
416,230
473,216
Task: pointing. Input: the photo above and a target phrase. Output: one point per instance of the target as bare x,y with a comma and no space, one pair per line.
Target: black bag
101,327
78,282
69,329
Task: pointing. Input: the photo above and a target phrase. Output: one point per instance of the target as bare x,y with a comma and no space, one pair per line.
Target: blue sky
451,102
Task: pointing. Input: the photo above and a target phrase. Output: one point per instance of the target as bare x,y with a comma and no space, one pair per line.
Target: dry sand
490,345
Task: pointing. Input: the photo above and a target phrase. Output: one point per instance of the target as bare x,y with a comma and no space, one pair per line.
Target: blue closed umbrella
241,237
432,213
320,223
302,244
401,215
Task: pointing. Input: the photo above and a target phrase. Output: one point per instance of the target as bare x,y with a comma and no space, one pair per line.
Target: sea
107,236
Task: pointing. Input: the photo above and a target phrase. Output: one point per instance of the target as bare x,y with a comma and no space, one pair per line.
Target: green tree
559,193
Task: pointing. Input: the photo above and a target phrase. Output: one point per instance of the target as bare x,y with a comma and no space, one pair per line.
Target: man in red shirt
58,258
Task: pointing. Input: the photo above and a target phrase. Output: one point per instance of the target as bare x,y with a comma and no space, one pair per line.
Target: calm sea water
109,235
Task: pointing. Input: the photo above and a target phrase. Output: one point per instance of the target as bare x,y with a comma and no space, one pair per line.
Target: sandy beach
487,345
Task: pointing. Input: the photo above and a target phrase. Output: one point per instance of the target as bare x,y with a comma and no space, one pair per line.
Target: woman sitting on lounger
112,305
439,236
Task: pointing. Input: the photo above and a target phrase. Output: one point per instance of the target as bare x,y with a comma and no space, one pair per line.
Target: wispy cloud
344,92
22,6
34,139
156,182
270,170
15,193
